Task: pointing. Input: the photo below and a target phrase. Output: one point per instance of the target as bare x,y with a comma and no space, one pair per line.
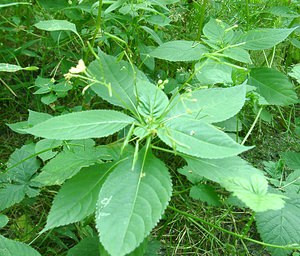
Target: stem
252,126
98,26
192,217
287,124
201,18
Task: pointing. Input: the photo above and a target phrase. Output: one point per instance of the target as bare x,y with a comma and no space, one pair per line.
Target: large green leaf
68,163
11,194
273,85
22,164
77,198
197,138
237,176
261,39
33,119
56,25
12,248
121,76
219,169
291,159
253,191
16,182
3,220
238,54
281,227
213,72
209,105
152,101
47,146
88,246
217,32
81,125
131,202
179,51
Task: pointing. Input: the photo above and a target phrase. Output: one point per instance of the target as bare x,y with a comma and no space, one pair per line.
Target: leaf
237,176
152,101
291,159
253,192
81,125
87,246
292,182
209,105
213,72
35,118
232,124
219,169
282,11
3,220
238,54
11,194
56,25
281,227
22,164
295,73
6,67
153,34
273,86
197,138
205,193
131,202
121,76
77,198
265,38
48,145
216,32
12,248
114,6
179,51
49,98
68,163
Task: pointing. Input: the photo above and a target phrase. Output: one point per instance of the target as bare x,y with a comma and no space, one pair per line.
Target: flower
79,68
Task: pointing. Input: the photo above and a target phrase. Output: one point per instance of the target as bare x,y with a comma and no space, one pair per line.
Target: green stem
98,26
201,18
252,126
192,217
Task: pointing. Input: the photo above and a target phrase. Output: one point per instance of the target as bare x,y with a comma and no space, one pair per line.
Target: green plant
111,162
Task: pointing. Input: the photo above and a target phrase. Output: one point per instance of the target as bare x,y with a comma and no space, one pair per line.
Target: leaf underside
281,227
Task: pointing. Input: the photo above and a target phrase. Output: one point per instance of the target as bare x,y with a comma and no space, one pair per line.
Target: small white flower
79,68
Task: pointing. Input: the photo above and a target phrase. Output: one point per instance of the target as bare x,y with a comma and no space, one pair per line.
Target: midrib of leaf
136,193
